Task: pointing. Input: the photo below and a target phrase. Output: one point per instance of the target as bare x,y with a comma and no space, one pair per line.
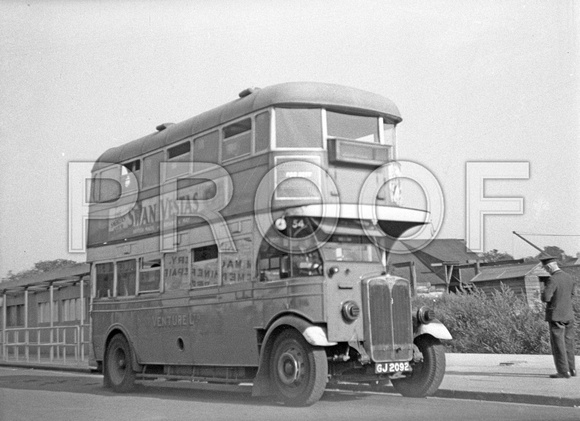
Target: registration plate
381,368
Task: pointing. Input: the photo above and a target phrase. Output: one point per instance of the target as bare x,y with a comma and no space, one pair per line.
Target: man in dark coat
557,293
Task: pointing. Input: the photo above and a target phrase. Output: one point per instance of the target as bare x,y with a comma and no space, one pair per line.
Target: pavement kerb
508,398
479,396
49,367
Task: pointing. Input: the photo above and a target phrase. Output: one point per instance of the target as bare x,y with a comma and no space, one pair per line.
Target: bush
502,323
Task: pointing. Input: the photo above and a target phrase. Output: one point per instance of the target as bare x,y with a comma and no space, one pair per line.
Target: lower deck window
126,278
176,270
204,266
150,275
104,280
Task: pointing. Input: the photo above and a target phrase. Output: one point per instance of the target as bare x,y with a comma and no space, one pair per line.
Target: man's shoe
565,375
573,373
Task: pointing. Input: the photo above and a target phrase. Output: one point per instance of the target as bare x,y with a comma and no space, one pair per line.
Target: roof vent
248,91
163,126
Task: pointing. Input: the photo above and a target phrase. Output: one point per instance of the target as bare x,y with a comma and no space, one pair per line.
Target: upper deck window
262,132
151,166
206,148
389,133
237,139
298,128
353,127
179,153
127,182
108,185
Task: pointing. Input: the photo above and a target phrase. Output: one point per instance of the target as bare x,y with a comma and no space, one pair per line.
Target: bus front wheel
119,374
428,374
298,371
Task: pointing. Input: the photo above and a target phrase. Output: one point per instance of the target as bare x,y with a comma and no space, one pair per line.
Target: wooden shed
523,279
431,265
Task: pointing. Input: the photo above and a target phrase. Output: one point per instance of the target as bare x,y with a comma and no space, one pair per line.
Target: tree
555,251
40,267
495,256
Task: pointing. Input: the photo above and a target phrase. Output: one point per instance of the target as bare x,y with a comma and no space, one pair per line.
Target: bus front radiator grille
388,324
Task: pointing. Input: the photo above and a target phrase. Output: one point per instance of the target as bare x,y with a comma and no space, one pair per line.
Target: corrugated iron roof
497,273
444,250
71,272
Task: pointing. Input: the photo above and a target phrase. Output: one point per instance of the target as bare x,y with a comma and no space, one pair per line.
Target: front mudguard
434,328
313,334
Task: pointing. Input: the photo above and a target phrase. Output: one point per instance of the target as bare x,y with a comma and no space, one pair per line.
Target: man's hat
545,258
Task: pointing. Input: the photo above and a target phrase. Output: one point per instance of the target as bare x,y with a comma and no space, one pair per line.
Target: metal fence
57,344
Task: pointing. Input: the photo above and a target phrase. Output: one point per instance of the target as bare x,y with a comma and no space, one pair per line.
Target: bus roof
292,94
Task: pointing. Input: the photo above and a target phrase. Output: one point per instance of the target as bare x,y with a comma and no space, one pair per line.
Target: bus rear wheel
298,371
119,374
428,374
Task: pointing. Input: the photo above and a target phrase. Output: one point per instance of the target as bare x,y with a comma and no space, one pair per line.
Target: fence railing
56,344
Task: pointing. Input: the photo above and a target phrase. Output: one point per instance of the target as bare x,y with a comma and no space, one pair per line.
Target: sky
475,81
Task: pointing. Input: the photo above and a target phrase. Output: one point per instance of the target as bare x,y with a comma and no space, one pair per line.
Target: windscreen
349,248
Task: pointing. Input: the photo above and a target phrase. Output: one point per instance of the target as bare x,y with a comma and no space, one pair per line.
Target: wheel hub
288,368
121,362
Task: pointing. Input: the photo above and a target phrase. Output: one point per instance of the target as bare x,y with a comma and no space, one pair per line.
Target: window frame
274,130
177,158
130,167
237,136
143,158
96,283
140,270
117,272
192,261
378,127
100,177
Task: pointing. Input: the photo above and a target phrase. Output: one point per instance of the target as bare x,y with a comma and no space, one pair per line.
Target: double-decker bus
250,244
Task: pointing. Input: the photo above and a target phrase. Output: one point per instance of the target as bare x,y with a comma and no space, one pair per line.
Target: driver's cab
303,247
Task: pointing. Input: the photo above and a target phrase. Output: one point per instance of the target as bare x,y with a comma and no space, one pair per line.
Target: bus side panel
207,329
229,337
101,322
165,322
270,298
303,296
306,296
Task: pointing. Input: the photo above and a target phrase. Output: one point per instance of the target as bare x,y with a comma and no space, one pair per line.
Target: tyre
298,371
428,374
119,374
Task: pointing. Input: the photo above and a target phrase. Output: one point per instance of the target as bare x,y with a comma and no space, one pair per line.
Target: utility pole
529,242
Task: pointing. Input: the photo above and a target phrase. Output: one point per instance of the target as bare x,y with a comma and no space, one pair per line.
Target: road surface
50,395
